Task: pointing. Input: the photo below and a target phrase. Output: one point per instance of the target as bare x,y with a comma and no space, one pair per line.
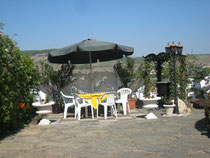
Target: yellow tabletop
93,97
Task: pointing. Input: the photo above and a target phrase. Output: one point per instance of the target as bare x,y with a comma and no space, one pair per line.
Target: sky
146,25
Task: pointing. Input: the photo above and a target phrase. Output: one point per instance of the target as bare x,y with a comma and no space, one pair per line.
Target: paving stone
108,120
125,136
140,118
69,122
136,114
124,118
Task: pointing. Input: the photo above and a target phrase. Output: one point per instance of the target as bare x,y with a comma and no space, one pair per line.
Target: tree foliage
125,71
18,77
56,80
207,112
144,73
195,69
182,77
165,69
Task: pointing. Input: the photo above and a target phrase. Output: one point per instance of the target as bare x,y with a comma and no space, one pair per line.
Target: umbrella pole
91,77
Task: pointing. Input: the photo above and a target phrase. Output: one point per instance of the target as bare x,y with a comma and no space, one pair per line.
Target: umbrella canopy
89,51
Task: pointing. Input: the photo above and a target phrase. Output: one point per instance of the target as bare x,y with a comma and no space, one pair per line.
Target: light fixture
167,48
179,49
173,48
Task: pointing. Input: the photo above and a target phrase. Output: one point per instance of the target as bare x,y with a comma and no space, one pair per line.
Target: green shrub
18,77
125,71
144,73
55,80
207,111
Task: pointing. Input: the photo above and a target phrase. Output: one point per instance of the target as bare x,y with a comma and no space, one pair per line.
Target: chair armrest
102,96
69,97
84,99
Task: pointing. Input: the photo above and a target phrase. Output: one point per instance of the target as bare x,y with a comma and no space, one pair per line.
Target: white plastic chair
124,92
68,104
109,102
80,103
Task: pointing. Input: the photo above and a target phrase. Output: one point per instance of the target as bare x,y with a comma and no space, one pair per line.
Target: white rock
183,109
44,122
151,116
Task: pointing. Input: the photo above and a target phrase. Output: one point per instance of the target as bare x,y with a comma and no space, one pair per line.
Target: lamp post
173,50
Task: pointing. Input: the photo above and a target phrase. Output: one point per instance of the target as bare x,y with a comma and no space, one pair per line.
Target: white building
191,94
205,82
190,83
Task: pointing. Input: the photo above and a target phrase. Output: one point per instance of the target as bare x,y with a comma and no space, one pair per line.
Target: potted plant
126,75
144,73
132,102
56,80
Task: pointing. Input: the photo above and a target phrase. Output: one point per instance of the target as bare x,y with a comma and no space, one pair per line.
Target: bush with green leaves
207,111
125,71
144,74
18,77
55,80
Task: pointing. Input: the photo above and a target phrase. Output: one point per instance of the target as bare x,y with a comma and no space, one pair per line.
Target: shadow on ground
8,133
201,126
4,134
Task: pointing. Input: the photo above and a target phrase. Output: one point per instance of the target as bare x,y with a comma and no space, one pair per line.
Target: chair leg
115,110
105,112
75,112
124,108
128,108
112,110
79,112
92,112
65,111
97,111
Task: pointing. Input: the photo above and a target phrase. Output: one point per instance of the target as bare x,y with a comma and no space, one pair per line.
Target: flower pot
168,103
169,111
169,108
132,103
56,108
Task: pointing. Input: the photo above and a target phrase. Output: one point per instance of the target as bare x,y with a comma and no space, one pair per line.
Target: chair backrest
79,100
124,92
67,98
110,98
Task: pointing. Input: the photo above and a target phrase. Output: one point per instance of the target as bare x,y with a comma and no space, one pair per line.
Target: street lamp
173,50
179,49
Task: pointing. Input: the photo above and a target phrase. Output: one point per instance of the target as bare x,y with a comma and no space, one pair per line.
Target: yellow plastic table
93,97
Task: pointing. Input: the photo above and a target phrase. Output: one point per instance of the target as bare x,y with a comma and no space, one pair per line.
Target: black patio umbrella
89,51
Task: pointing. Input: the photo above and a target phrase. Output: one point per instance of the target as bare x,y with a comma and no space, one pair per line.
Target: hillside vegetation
41,55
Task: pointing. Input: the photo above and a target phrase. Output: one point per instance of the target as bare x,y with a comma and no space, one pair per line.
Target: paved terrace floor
127,136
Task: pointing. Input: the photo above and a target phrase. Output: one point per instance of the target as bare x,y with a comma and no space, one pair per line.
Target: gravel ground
127,136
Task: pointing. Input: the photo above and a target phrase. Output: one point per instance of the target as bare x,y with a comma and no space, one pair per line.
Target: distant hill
41,55
204,59
38,55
